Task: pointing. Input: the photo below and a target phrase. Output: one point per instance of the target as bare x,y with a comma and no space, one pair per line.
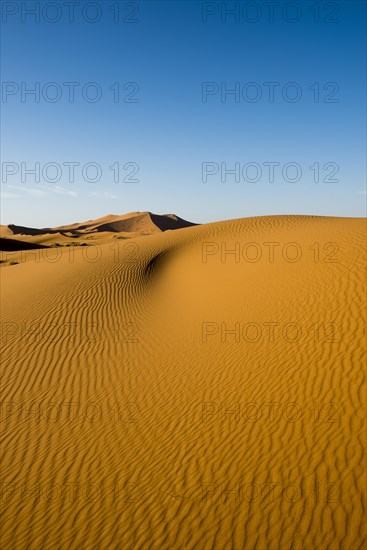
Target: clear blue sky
171,49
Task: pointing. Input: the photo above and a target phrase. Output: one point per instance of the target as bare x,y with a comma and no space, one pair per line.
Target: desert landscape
168,385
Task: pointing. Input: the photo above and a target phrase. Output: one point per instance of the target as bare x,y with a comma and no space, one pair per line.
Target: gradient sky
169,51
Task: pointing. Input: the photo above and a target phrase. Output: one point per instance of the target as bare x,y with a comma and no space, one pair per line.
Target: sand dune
194,389
93,232
10,245
136,223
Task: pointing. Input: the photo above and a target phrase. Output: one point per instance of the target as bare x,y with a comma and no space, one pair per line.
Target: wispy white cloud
364,192
41,191
29,190
61,190
103,195
5,195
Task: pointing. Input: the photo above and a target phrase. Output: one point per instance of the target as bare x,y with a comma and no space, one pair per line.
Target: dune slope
196,389
134,222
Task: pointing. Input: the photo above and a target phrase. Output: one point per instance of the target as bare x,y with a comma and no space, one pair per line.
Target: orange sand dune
134,222
194,389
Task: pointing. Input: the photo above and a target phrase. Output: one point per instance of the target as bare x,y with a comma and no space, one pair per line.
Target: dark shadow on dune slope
170,221
12,245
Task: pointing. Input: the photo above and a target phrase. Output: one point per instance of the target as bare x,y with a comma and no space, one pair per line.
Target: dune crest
133,222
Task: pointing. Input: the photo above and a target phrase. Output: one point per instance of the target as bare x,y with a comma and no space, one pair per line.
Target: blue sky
163,126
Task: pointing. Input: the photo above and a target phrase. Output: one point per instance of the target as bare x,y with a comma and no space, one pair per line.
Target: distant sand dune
194,389
134,222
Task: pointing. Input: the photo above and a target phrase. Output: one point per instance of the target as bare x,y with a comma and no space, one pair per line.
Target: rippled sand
193,389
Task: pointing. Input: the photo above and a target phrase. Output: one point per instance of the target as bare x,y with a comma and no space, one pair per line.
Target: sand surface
192,389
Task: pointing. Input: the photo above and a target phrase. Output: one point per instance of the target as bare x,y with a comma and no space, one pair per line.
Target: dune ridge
134,222
218,387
